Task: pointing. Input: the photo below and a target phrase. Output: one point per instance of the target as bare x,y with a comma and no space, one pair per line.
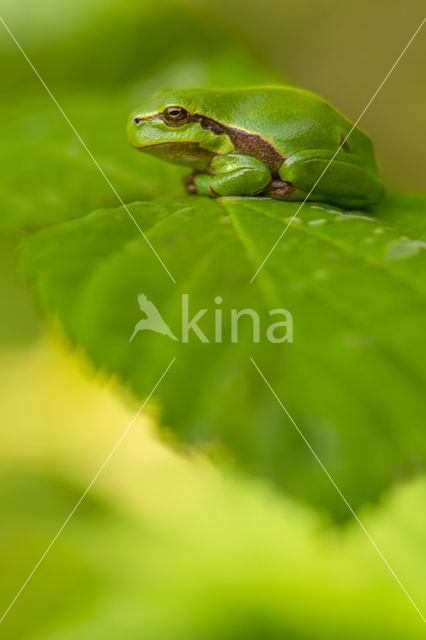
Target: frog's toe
278,189
189,184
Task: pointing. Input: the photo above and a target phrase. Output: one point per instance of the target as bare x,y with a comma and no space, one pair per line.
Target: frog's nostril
137,120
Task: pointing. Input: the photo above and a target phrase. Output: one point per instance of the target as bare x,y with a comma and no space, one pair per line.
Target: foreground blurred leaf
354,378
33,508
248,567
19,323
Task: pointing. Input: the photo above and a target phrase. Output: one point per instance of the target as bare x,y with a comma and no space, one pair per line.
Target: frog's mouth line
169,145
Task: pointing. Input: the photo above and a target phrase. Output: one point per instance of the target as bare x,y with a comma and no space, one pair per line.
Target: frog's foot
198,184
278,189
189,182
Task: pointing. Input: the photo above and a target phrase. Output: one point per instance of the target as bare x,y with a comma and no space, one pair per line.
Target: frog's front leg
233,175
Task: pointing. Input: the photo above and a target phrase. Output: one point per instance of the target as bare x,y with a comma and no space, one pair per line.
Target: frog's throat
188,154
246,143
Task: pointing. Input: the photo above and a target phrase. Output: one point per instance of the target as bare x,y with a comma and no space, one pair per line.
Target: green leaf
405,212
353,379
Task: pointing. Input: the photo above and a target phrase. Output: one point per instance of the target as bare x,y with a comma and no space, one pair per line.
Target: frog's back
290,119
294,119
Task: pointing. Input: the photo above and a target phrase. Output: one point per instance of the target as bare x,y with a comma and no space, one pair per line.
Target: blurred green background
166,546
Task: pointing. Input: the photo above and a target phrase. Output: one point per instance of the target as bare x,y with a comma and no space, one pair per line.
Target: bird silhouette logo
153,320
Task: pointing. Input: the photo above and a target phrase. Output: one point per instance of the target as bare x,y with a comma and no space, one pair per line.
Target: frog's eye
175,115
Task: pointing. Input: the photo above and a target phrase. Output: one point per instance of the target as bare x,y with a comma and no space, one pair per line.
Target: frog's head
173,126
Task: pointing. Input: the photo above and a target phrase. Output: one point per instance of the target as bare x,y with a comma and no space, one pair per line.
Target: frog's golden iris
175,114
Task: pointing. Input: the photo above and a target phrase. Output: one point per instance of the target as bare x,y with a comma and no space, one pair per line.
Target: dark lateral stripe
250,144
244,142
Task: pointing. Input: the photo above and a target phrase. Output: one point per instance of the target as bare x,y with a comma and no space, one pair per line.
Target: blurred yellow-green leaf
165,545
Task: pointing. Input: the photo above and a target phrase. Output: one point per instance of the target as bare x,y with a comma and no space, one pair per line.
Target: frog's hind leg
345,180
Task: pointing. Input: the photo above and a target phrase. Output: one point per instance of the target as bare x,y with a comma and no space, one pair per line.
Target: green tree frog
272,141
